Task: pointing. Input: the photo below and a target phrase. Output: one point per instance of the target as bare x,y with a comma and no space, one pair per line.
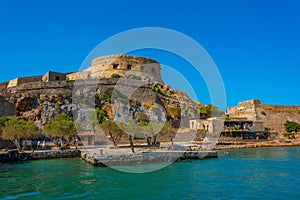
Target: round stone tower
105,66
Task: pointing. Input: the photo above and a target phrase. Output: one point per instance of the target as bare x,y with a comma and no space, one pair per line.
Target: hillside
42,101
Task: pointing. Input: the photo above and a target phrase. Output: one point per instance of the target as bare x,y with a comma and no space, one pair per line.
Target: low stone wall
14,155
146,157
70,153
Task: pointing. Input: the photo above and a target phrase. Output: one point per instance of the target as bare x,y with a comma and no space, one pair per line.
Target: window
142,68
57,78
115,66
129,67
153,70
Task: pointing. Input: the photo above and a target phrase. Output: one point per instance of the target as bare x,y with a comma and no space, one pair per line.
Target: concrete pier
145,157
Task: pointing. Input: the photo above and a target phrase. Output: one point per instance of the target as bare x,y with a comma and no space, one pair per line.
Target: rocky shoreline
256,144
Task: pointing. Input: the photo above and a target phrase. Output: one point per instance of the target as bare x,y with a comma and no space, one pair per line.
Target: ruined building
101,67
272,117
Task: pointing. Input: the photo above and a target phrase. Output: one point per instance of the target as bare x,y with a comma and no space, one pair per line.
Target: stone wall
272,116
22,80
102,67
53,76
275,116
245,109
70,153
105,66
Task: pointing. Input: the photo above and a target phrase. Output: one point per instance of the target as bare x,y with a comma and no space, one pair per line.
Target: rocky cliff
42,101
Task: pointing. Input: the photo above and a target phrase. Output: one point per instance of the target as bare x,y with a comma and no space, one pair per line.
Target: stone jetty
14,155
145,157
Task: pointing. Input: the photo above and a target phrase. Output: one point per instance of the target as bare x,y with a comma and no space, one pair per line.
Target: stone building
105,66
209,125
22,80
101,67
273,117
53,76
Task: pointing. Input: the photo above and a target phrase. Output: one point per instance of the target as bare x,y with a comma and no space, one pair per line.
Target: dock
145,157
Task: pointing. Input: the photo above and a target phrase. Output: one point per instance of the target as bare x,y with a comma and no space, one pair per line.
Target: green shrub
84,100
263,113
156,89
175,112
101,97
57,105
114,75
292,126
65,96
41,101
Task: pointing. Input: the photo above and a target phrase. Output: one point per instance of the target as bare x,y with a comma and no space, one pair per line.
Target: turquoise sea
265,173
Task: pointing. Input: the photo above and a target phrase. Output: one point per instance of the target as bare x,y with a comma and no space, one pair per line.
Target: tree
151,130
168,132
3,120
61,129
132,128
111,129
208,111
96,117
141,117
292,126
16,129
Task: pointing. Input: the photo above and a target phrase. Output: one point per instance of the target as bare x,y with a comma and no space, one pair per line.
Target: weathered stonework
105,66
22,80
102,67
53,76
272,116
6,108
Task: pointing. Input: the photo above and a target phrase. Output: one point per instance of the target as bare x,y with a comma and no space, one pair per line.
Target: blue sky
255,44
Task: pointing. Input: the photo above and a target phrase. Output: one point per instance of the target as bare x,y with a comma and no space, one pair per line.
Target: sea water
264,173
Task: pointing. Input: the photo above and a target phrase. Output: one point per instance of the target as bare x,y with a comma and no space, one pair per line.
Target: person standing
44,144
38,144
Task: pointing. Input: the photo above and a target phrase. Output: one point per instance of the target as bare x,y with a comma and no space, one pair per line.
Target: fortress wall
276,116
72,76
121,64
22,80
53,76
12,83
273,116
102,67
245,109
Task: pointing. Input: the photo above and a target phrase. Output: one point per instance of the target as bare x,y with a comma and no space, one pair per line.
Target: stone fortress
273,117
101,67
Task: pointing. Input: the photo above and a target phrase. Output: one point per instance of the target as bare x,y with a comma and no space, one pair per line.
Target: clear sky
255,44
